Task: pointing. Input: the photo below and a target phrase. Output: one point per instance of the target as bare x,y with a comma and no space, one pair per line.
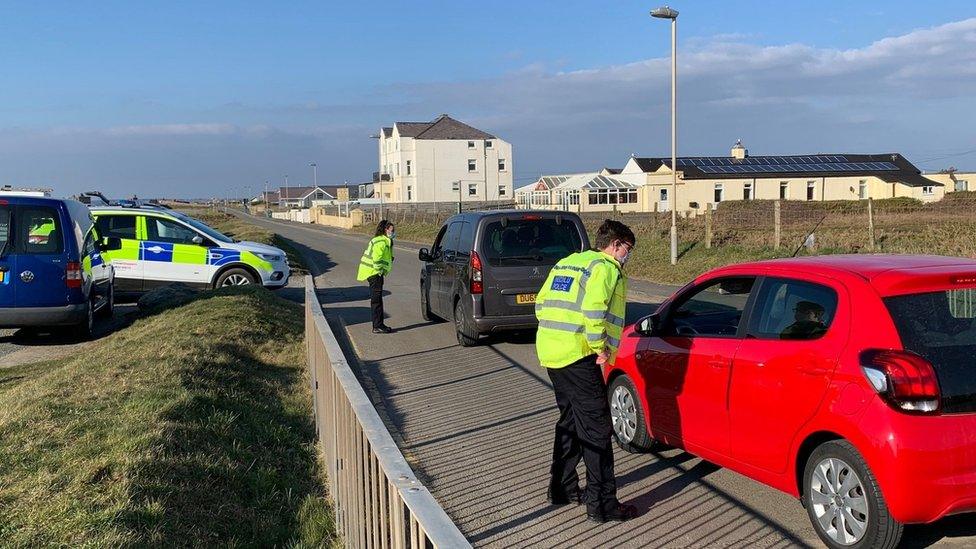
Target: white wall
436,164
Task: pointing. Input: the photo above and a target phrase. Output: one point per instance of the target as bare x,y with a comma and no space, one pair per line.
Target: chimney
738,151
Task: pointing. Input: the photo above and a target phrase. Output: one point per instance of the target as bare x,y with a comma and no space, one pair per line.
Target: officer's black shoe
575,498
383,330
618,513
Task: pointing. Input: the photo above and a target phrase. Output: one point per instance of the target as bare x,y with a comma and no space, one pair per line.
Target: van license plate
522,299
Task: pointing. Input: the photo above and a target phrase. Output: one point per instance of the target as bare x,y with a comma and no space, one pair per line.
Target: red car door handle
718,363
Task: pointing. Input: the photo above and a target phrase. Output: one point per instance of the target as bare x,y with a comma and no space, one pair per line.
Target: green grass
743,231
190,427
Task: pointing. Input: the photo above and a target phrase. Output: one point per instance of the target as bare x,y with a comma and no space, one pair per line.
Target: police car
160,247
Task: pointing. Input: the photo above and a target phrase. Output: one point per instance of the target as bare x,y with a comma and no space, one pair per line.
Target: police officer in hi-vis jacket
376,263
581,310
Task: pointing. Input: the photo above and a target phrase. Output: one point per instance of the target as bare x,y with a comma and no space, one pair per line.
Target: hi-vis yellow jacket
377,259
581,309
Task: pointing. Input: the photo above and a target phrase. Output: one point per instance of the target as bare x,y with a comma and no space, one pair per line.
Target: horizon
136,99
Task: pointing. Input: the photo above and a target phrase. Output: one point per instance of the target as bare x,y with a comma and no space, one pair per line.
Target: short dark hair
383,226
612,230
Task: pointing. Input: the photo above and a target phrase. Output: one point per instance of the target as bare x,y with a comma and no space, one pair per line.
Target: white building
443,161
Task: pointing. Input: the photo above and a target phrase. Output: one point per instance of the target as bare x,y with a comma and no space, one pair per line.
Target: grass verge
191,427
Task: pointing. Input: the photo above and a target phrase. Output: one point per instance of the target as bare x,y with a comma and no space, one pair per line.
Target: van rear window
529,242
941,326
39,231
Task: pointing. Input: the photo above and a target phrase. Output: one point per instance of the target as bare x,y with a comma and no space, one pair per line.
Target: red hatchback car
847,381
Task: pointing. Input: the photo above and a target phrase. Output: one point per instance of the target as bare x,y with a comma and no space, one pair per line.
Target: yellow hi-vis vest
377,259
581,309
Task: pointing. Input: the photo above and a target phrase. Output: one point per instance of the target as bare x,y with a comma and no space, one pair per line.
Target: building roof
594,181
613,171
444,127
890,167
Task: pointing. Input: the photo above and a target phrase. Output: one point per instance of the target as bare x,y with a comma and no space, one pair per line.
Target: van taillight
476,280
904,379
73,274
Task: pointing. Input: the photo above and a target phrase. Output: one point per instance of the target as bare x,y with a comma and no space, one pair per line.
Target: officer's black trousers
376,299
583,432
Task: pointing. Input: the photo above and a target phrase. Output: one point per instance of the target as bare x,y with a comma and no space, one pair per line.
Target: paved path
477,423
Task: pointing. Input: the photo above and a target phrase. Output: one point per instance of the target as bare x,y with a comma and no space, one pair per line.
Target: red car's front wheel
629,424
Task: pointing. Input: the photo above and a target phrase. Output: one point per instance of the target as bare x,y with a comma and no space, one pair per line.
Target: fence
427,212
379,503
894,225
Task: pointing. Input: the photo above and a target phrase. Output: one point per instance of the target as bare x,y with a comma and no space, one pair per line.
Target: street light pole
315,173
668,13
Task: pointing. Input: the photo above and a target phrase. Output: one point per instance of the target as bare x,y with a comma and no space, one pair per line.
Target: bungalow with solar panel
645,184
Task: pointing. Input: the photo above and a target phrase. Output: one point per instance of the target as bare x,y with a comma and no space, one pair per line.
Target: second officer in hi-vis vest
376,263
581,310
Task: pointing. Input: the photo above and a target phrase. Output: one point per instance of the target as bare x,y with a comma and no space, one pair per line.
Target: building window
398,168
472,165
962,185
408,167
784,189
455,185
811,187
409,192
719,193
927,190
540,198
664,195
747,191
470,144
862,189
501,164
613,196
472,189
487,144
502,191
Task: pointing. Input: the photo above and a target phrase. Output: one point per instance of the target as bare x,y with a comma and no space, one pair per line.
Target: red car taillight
476,281
904,379
73,274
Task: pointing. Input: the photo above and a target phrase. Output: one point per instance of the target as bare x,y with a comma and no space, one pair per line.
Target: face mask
623,260
392,235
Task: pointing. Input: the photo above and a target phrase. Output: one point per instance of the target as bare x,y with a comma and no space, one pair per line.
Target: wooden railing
378,500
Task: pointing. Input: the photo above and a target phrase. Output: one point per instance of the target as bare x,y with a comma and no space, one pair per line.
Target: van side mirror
110,243
649,326
424,255
197,240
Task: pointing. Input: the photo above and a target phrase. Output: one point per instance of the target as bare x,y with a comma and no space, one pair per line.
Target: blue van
51,268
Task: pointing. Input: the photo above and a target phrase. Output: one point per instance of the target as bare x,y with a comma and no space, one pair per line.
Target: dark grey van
485,268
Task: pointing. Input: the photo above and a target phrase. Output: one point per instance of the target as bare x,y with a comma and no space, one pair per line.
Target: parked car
52,273
161,246
847,381
485,268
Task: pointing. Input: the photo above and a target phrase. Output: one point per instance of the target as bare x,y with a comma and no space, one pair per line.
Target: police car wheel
108,309
627,414
235,277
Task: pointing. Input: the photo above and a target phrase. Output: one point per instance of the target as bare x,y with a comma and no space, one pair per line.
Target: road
21,347
476,425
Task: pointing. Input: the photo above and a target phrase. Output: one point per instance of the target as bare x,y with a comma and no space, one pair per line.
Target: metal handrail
378,500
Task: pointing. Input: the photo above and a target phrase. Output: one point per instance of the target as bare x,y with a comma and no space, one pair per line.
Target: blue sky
203,99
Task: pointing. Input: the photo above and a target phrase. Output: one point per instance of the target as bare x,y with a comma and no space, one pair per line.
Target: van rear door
7,265
39,251
518,250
